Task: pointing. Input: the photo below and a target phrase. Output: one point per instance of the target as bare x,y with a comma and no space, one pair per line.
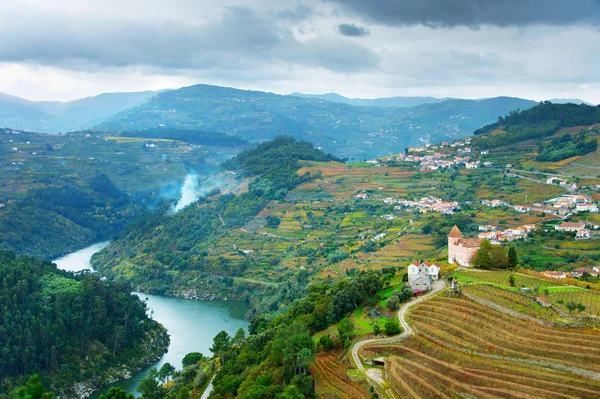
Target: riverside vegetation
76,331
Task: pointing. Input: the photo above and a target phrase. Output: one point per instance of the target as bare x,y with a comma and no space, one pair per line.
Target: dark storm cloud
239,39
352,30
474,13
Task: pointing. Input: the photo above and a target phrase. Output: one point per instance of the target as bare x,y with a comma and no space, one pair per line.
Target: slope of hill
539,123
58,116
343,129
397,102
70,328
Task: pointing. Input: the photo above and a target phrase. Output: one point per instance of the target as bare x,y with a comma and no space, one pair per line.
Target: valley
319,248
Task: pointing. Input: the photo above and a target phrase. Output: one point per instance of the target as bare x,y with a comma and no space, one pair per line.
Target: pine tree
512,257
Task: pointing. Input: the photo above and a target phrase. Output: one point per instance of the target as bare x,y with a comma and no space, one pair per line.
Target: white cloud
67,49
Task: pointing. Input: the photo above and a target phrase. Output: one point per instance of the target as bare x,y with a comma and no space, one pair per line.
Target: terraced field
464,349
332,381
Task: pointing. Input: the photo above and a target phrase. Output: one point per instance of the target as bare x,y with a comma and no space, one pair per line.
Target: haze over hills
343,129
398,102
59,116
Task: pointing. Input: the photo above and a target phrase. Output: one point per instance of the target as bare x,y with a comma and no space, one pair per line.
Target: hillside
86,187
396,102
70,329
173,247
342,129
59,116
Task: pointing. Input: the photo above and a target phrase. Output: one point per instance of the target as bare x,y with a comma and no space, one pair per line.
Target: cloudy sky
67,49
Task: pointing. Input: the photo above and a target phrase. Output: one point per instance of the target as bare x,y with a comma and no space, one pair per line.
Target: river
191,324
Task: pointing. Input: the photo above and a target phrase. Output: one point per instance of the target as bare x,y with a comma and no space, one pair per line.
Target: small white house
587,208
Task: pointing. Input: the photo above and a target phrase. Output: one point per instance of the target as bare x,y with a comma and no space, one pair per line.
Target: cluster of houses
562,183
563,206
569,203
579,272
421,274
438,160
495,236
425,204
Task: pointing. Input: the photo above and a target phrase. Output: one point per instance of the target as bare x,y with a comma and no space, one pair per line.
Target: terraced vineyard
463,349
512,300
332,381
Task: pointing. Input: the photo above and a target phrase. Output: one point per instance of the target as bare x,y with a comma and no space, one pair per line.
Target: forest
566,146
543,120
73,214
69,327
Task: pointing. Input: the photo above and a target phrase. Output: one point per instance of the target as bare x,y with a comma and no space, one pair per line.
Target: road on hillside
374,375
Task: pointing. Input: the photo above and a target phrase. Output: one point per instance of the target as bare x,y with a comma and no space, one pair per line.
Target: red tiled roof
455,232
470,242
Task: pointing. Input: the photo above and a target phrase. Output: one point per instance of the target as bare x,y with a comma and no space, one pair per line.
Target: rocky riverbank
150,350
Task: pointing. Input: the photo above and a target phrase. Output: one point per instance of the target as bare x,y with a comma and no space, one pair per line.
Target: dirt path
374,375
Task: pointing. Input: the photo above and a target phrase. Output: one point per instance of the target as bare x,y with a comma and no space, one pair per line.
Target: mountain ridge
61,116
346,130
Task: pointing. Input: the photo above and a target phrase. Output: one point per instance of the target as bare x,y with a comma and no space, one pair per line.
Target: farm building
431,270
542,300
419,282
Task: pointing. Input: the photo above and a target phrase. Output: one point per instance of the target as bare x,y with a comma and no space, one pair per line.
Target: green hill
343,129
70,329
541,126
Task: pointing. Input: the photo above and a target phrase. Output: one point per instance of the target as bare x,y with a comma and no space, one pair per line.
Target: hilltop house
460,249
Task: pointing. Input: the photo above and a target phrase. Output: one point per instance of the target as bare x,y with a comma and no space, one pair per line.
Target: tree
327,343
34,389
482,256
166,371
116,393
345,329
150,388
511,280
239,337
393,303
392,327
571,306
221,344
512,257
580,307
304,358
192,358
376,329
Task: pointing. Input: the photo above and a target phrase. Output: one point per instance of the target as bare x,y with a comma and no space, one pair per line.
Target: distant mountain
398,102
343,129
58,116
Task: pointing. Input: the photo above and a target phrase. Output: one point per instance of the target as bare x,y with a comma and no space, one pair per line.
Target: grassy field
463,349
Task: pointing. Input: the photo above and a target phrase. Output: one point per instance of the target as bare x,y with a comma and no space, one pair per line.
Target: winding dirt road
374,375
